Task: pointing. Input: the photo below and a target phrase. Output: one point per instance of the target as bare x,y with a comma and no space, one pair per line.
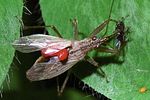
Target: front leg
99,28
112,51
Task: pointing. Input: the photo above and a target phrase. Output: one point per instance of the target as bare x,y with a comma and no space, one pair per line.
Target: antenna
111,7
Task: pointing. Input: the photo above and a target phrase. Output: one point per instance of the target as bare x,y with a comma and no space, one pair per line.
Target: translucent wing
50,69
37,42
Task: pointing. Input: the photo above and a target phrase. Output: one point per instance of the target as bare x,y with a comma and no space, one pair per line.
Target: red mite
61,54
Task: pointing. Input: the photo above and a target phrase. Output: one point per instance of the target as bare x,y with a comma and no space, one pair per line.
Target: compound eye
94,38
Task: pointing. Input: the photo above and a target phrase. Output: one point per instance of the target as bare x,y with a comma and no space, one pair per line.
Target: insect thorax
89,44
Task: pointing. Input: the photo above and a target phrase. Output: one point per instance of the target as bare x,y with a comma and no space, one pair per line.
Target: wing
50,69
37,42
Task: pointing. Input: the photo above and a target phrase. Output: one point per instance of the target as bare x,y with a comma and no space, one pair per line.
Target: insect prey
122,32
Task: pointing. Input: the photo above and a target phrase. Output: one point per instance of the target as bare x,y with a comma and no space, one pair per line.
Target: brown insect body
53,67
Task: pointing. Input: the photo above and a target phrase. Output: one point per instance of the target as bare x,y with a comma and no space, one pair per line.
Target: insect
59,55
52,48
121,37
122,32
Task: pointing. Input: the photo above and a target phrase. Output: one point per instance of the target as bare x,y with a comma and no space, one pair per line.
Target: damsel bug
51,48
50,64
57,54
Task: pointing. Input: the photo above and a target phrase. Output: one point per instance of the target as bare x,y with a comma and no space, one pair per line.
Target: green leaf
9,29
127,78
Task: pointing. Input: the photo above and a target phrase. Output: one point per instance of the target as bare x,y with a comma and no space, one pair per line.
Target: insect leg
105,23
22,25
55,30
99,28
114,50
64,83
93,62
57,81
107,50
75,28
